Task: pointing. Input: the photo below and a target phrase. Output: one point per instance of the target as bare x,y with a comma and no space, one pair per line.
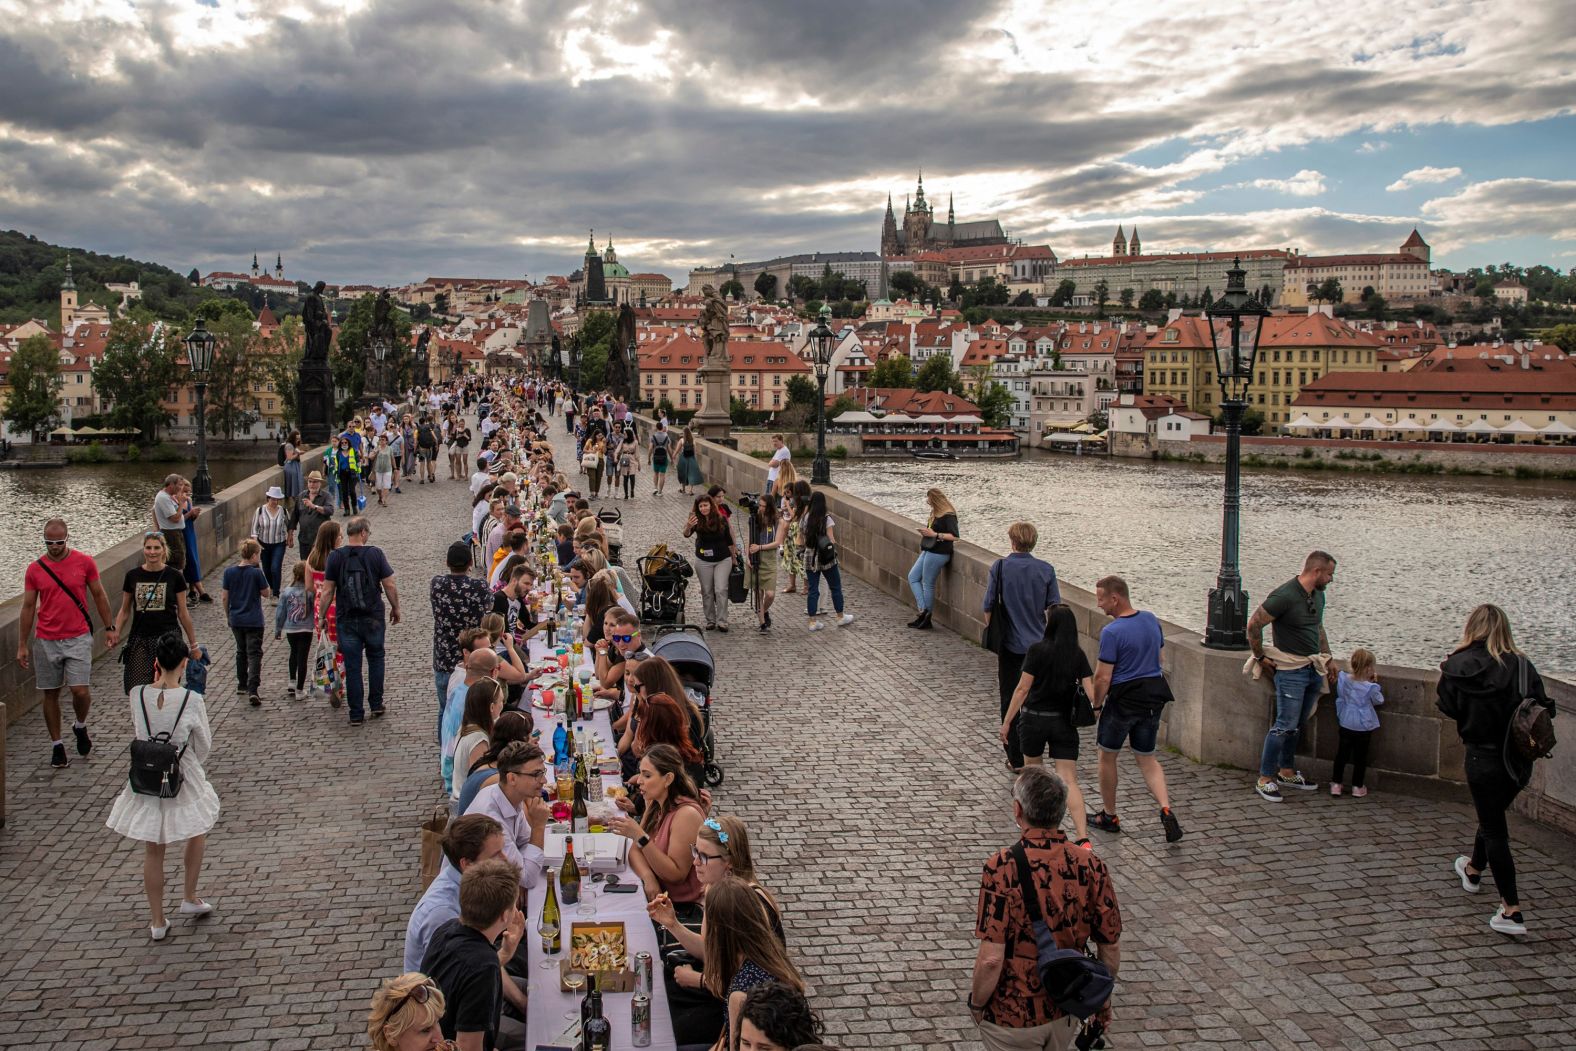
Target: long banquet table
546,1025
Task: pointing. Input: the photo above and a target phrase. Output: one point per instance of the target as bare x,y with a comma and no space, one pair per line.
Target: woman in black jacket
1480,688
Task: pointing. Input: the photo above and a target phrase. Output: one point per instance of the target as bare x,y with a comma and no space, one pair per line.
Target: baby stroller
612,520
684,647
666,578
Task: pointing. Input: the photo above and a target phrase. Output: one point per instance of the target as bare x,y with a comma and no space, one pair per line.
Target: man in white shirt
379,420
780,455
167,519
515,802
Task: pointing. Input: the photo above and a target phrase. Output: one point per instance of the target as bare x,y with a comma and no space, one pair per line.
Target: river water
102,504
1415,552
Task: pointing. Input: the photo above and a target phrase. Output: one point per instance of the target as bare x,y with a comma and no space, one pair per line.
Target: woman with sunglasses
405,1015
152,600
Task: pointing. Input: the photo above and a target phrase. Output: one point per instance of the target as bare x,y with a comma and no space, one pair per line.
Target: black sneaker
84,745
1105,822
377,713
356,720
254,701
57,757
1173,829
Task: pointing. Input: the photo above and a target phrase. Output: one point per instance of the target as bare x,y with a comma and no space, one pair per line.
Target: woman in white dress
157,822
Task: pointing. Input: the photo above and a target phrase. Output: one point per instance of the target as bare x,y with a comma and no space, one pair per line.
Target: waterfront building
920,232
1186,274
1525,393
1403,274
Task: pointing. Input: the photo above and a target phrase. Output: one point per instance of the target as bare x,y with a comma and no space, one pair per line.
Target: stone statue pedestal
714,421
315,402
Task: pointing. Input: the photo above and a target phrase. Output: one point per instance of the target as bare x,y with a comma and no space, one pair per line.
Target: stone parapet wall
1220,716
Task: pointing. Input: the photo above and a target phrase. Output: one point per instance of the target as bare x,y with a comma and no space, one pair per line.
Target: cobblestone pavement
864,760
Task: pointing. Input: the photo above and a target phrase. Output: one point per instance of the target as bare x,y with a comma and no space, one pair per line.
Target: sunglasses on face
625,638
54,543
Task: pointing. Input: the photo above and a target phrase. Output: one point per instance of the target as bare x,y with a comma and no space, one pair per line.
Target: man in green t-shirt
1295,613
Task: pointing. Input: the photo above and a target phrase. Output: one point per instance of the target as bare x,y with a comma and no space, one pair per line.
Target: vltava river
1415,553
102,504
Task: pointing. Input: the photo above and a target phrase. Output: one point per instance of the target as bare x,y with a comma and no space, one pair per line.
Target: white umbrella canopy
1480,427
1558,427
1339,423
1371,423
1301,423
1518,427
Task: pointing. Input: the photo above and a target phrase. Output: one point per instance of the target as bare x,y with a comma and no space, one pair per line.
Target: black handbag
1082,711
156,762
995,638
737,592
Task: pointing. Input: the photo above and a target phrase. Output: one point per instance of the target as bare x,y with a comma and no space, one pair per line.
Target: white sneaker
816,625
1269,790
847,619
1504,924
195,908
158,933
1468,884
1296,780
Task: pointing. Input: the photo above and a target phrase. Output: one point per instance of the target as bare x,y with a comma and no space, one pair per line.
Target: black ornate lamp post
1235,320
199,355
821,341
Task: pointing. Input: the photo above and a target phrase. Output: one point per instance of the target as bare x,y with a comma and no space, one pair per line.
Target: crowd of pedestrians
463,972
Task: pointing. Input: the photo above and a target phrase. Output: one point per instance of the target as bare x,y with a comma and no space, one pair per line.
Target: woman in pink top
665,835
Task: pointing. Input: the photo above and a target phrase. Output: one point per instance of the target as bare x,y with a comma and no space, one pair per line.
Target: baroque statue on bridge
714,326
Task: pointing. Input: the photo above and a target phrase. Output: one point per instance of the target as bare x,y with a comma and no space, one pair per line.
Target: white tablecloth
549,1003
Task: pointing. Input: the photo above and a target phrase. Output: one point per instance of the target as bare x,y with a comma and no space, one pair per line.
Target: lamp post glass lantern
821,341
199,355
1236,320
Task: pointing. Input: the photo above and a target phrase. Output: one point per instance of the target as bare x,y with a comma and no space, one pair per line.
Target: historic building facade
920,232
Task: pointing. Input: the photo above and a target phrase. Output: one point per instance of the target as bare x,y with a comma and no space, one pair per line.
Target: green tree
1099,419
955,290
813,307
802,287
904,283
1562,336
802,391
1152,301
1102,294
1367,293
1327,291
440,303
32,406
136,374
937,373
194,277
1063,296
596,335
1206,298
1484,289
1024,299
995,402
731,288
1376,306
892,371
766,285
282,365
237,366
1125,297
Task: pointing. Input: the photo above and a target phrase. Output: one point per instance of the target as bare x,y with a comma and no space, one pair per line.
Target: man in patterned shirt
459,601
1077,902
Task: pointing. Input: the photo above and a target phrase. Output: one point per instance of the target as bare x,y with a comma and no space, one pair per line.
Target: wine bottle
579,817
550,919
588,1005
569,739
569,875
596,1030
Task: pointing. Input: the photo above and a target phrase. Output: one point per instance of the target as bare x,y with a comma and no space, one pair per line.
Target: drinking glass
587,887
574,981
549,961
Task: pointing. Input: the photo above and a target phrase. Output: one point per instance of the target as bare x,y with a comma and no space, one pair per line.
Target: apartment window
1316,355
777,380
683,397
1302,377
1261,399
1346,357
1302,355
1277,356
1261,377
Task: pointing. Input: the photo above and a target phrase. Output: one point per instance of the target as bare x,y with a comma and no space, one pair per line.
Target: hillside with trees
31,272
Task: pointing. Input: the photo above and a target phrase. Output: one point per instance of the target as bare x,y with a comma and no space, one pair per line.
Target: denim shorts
1137,727
1039,732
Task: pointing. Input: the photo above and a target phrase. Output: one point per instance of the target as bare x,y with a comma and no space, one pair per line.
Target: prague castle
921,232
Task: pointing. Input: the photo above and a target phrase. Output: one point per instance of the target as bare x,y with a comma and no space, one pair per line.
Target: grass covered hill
31,272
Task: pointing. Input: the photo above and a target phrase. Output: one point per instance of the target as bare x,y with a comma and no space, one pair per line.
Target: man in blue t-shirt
1130,692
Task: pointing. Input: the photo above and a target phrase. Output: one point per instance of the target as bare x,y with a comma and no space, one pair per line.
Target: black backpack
357,591
156,762
1529,736
1076,983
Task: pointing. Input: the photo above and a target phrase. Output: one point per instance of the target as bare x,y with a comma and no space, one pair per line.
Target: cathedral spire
919,191
591,242
950,217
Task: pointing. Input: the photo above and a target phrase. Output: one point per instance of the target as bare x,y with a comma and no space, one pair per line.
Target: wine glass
574,981
548,931
588,888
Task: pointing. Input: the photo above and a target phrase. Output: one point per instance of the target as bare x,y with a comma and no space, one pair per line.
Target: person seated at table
742,952
601,596
516,557
664,720
508,728
777,1017
466,955
665,834
470,639
618,656
513,602
467,840
596,565
481,665
483,706
578,579
653,676
722,849
405,1015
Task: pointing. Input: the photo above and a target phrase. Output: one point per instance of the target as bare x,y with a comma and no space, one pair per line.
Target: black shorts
1049,731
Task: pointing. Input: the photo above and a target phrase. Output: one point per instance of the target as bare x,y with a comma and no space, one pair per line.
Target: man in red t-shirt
56,590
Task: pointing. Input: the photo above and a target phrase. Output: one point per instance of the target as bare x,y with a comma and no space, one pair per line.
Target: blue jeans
273,564
922,577
440,679
1295,694
362,635
812,588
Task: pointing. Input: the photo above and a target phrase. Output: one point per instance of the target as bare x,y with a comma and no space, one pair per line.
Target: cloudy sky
386,140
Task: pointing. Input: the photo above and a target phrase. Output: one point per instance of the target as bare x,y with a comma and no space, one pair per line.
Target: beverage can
643,973
640,1021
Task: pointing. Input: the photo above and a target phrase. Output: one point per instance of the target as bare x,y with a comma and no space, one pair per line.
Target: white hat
275,493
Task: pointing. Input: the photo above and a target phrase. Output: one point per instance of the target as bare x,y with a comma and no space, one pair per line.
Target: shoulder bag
1529,736
1078,984
81,606
156,762
995,638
